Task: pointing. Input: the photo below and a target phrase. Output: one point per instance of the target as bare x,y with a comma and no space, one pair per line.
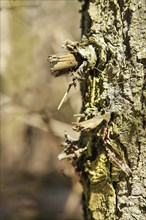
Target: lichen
112,74
115,85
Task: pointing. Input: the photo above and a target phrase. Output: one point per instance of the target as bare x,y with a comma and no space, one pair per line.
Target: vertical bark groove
110,154
115,85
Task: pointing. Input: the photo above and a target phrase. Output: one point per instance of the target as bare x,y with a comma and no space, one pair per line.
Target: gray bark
113,167
110,154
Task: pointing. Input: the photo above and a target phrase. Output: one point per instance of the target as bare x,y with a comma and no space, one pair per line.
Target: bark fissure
112,162
117,88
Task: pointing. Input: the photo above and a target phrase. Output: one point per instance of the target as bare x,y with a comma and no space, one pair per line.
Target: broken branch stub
63,63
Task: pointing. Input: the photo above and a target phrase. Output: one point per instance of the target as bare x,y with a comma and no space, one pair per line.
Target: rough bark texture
113,166
110,154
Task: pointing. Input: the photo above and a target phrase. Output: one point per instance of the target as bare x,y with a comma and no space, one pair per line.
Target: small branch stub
63,63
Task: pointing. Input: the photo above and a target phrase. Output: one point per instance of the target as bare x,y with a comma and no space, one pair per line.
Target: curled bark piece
71,153
71,149
91,123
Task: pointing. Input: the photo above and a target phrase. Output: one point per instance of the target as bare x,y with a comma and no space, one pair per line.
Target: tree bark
110,154
113,166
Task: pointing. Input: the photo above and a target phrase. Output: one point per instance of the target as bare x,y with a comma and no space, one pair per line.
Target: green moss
97,169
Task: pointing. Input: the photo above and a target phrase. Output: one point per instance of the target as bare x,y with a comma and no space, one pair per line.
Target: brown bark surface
110,154
113,166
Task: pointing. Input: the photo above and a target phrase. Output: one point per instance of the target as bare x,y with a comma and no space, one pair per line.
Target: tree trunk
113,166
110,154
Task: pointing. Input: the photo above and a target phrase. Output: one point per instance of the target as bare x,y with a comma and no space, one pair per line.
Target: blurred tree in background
32,182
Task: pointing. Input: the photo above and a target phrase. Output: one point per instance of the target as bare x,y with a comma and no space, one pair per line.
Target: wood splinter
63,63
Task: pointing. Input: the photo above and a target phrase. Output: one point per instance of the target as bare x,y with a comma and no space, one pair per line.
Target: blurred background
35,185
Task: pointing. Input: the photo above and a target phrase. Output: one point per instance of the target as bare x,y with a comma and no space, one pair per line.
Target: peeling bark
110,154
116,85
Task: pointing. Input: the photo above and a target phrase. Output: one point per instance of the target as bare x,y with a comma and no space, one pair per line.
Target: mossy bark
115,28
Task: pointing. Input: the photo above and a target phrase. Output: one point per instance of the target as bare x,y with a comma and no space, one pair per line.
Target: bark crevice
111,165
117,88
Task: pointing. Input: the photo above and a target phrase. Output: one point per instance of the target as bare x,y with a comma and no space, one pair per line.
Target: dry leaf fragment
91,123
